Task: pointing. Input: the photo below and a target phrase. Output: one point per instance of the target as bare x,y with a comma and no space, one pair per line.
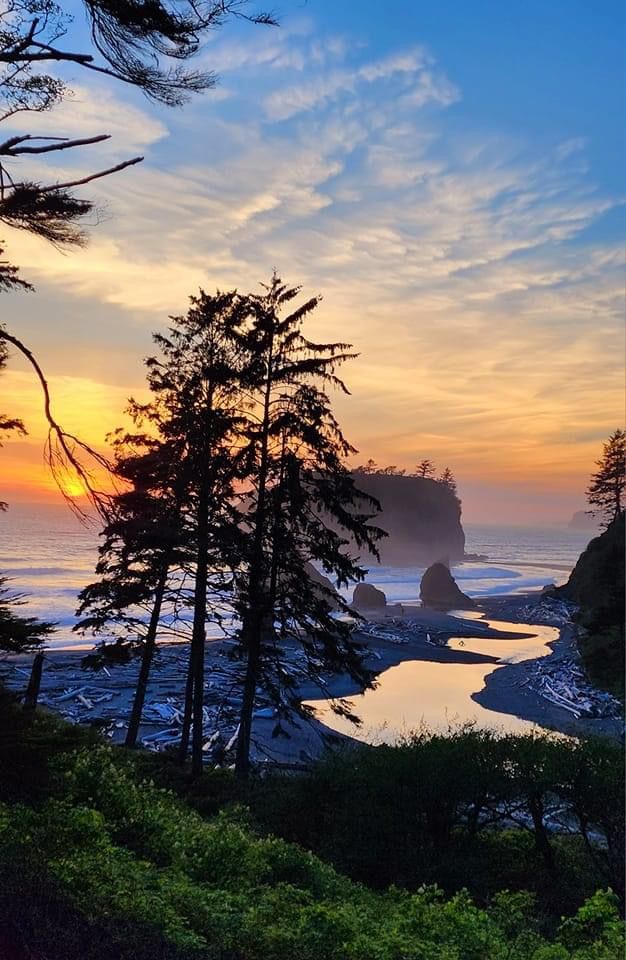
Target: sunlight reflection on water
439,695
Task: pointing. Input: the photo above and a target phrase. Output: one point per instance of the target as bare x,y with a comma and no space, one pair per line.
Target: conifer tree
19,634
425,468
297,485
179,515
605,493
141,554
448,480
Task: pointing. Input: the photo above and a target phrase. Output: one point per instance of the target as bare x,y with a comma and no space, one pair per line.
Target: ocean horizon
50,556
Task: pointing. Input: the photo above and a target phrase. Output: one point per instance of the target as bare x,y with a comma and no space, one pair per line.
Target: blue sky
449,177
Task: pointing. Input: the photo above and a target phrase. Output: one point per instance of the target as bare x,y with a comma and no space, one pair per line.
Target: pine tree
298,483
448,480
425,468
179,516
140,557
19,634
605,493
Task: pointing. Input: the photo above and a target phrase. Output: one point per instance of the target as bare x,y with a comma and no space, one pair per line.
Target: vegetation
596,584
239,483
606,489
100,861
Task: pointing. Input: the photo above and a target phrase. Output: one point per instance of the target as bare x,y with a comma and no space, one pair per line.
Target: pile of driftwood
394,630
552,611
104,698
564,684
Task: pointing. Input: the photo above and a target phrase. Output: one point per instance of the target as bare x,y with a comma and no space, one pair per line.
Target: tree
391,471
448,480
141,553
370,466
19,634
146,45
178,519
605,493
425,468
297,484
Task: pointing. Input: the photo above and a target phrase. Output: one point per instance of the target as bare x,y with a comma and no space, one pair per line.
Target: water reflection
439,695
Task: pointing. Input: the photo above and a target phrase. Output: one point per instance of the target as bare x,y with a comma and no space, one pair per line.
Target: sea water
50,556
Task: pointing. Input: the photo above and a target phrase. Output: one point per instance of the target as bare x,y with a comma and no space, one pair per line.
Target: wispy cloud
459,265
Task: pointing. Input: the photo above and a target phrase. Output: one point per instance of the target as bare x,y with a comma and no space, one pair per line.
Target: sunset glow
471,255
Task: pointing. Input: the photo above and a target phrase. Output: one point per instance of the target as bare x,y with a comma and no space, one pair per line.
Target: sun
73,488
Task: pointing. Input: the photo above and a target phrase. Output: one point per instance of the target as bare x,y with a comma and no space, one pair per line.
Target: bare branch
12,148
63,448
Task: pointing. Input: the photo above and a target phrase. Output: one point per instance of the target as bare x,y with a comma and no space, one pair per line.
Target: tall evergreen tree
140,558
300,494
179,515
605,493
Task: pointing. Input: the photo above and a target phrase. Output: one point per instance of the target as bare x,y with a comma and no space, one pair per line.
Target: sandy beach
391,637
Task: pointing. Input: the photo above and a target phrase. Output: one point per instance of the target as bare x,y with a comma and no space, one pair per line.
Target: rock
582,520
439,590
323,581
368,597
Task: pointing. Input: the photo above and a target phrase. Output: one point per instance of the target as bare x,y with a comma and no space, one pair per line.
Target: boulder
439,590
368,597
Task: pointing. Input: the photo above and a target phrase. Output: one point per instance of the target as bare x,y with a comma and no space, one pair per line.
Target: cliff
421,516
596,584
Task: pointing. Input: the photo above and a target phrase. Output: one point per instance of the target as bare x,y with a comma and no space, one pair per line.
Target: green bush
127,857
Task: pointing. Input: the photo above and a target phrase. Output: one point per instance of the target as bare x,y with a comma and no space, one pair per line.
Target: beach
410,634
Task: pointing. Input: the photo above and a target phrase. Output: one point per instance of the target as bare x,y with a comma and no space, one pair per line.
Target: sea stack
440,591
368,597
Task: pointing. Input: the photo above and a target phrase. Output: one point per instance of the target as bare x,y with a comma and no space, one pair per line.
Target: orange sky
467,264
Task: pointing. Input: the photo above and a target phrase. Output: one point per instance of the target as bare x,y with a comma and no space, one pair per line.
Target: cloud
89,112
323,88
488,323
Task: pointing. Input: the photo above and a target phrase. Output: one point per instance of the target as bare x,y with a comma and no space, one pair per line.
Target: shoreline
397,635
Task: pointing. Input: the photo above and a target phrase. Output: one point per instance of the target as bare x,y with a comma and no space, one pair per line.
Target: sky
449,176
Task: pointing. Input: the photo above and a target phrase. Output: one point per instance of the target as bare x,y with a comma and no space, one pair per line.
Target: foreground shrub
140,875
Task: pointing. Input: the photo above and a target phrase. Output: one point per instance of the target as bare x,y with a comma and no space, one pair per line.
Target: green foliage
596,584
108,864
19,634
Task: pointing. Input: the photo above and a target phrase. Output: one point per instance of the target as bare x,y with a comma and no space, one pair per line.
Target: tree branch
61,446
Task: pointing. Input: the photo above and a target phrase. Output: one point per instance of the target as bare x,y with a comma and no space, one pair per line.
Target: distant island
581,520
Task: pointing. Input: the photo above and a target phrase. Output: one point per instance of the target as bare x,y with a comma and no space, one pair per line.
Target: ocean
50,556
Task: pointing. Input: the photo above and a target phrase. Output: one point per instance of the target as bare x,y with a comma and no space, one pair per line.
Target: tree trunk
32,690
542,842
146,662
253,622
198,637
186,729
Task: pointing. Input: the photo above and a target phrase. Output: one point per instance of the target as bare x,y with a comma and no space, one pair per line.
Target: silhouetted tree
448,480
425,468
370,466
391,471
142,551
298,482
19,634
147,45
605,493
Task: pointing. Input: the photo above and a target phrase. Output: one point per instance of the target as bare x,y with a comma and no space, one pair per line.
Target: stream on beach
418,693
